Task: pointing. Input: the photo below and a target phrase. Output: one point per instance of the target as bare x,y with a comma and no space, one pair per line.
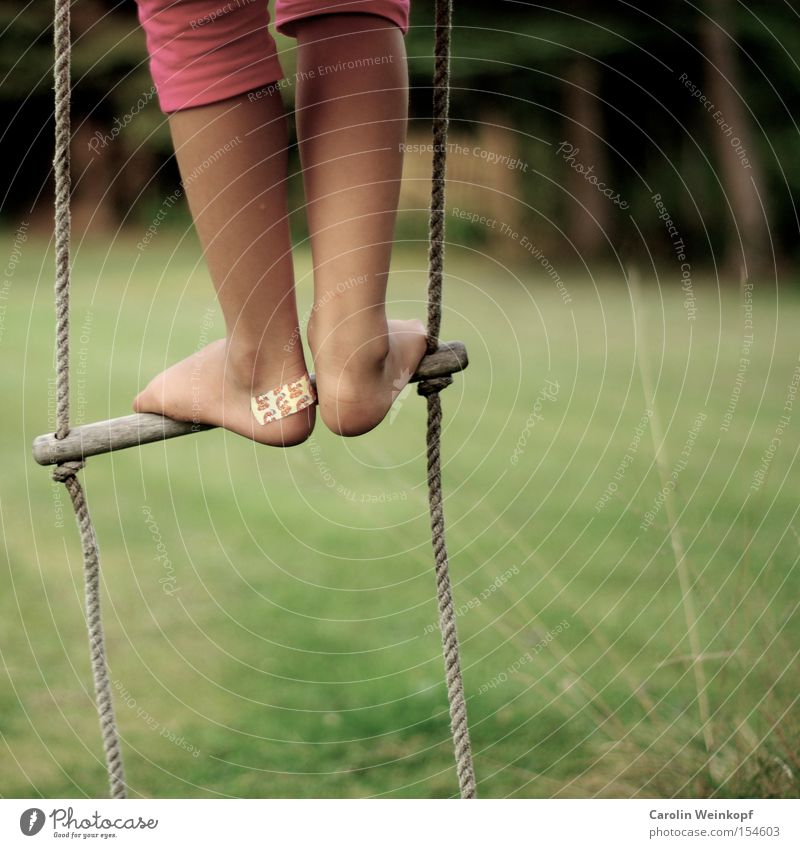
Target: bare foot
357,383
206,388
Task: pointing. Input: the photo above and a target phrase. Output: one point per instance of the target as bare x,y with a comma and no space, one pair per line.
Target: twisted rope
67,472
441,120
63,233
430,389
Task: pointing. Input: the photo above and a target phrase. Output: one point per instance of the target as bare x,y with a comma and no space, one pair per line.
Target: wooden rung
143,428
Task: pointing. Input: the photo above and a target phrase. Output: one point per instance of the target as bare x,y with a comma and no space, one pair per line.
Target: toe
145,401
418,338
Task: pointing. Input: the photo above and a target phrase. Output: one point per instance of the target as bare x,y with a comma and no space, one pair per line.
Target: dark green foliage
509,65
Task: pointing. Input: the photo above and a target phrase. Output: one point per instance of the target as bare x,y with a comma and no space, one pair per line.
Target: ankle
253,366
349,346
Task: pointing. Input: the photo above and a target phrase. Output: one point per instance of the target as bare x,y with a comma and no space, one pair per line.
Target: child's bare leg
351,124
232,157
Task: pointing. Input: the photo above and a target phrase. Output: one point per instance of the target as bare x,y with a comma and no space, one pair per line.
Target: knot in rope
425,388
66,470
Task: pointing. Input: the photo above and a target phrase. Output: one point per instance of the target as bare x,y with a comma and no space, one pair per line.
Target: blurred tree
112,164
741,173
589,224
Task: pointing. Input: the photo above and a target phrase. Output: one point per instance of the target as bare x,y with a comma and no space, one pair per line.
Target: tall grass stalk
675,536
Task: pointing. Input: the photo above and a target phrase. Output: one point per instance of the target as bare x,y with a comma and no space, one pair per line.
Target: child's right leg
352,105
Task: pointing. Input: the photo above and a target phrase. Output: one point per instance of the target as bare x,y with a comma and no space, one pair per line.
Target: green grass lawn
280,641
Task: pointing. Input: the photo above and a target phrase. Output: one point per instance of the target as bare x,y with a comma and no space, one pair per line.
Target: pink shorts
202,51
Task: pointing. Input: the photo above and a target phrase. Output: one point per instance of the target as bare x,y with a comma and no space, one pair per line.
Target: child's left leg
231,150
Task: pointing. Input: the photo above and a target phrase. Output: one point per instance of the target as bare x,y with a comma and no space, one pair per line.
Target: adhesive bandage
283,401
